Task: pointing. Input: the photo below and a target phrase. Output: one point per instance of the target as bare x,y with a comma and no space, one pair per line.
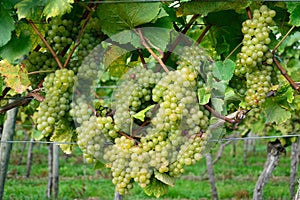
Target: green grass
234,180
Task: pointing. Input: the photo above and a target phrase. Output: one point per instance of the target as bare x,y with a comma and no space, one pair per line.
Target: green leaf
165,178
141,115
6,26
99,165
29,8
294,10
15,77
274,112
117,17
218,104
9,4
37,135
228,35
57,8
224,70
156,188
205,7
16,47
203,96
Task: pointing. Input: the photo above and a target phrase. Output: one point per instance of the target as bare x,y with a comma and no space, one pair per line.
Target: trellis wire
214,140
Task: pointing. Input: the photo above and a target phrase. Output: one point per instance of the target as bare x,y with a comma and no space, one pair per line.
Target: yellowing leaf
57,8
15,77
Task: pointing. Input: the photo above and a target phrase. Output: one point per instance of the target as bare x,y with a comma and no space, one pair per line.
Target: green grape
255,51
54,110
61,33
133,94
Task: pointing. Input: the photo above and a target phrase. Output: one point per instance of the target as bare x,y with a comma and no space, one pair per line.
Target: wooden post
55,170
5,148
274,152
29,158
118,196
211,176
50,170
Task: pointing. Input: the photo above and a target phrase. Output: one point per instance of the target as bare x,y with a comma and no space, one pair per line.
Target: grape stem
203,34
127,136
77,42
46,43
144,43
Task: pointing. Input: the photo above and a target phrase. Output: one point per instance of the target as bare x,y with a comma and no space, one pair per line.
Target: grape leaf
141,115
165,178
64,136
203,96
294,10
57,8
274,112
15,77
9,4
6,26
37,135
156,187
224,70
16,47
228,35
99,165
29,8
115,18
115,61
205,7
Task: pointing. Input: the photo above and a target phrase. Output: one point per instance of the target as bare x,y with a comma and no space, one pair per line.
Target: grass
78,181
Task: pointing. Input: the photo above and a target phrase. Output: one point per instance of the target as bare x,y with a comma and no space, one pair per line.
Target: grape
133,94
61,33
54,110
172,136
255,51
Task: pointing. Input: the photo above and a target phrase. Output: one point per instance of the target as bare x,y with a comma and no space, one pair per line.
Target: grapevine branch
46,43
218,115
249,12
144,43
281,69
139,51
77,42
184,31
22,101
203,34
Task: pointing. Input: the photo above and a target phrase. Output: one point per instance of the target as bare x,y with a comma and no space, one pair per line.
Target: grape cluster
258,84
93,135
40,62
255,50
172,135
133,94
53,114
255,59
61,33
91,37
